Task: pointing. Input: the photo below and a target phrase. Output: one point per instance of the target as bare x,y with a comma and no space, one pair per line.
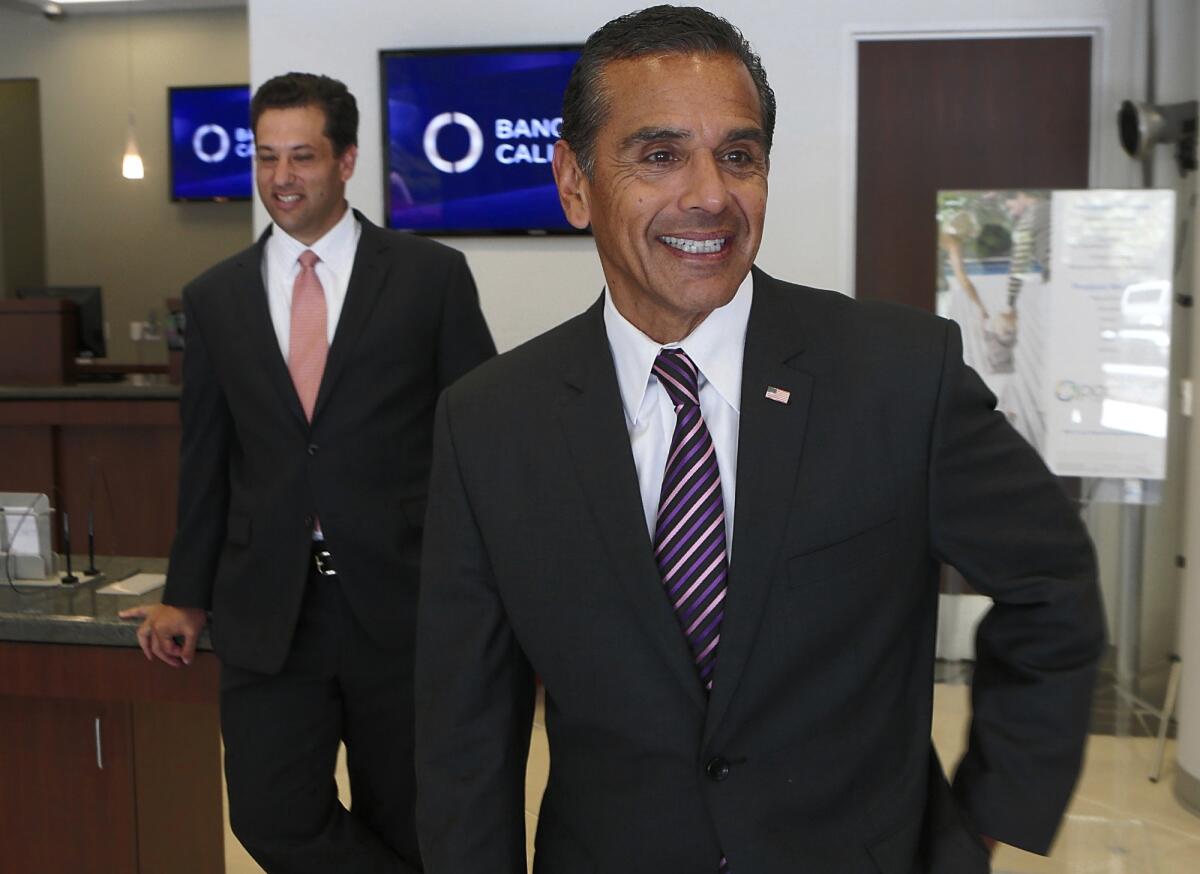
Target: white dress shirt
281,266
716,346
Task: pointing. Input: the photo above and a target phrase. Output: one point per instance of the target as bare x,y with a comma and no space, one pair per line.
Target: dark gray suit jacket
814,751
254,472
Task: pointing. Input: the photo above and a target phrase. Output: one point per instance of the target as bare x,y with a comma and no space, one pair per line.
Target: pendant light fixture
131,162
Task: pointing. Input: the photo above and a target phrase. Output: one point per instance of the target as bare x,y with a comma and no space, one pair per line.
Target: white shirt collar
336,248
717,346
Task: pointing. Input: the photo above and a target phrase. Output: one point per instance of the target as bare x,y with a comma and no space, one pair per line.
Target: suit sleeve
464,342
203,472
474,689
1002,519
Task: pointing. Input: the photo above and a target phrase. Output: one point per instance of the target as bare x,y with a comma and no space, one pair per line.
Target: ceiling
65,8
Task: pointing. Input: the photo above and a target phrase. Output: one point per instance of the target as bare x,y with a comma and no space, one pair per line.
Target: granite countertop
77,614
91,391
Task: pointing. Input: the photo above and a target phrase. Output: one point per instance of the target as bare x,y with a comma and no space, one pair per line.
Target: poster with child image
1064,302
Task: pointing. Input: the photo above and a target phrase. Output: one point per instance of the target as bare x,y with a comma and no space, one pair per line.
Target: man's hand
162,629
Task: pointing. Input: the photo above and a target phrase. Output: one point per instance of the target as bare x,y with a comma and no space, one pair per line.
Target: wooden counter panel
129,476
27,458
99,673
89,412
119,458
177,763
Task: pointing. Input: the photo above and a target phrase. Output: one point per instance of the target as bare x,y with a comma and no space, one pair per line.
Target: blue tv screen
468,138
212,146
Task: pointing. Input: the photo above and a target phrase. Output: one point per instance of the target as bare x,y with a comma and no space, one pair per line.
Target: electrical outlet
135,330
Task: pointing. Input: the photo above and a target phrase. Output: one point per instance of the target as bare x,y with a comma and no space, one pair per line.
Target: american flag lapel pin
778,395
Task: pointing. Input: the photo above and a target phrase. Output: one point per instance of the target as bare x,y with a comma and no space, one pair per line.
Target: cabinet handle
99,751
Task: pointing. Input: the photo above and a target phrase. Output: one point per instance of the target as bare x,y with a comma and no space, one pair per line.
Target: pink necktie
308,343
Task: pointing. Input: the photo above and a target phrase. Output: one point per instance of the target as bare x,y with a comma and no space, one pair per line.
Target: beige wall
126,236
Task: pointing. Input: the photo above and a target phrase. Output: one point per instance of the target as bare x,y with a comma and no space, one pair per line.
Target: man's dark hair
659,30
293,90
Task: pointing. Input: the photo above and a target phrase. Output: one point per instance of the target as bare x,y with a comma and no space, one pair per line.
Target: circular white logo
474,150
198,143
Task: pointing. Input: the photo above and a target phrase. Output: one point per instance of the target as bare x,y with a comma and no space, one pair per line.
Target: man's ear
346,163
573,186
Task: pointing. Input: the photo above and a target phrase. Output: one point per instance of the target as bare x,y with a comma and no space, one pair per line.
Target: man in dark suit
755,695
314,361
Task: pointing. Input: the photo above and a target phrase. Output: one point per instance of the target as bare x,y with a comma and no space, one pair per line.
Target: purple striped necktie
689,533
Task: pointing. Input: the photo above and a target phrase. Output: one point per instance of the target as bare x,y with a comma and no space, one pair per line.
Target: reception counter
110,763
108,448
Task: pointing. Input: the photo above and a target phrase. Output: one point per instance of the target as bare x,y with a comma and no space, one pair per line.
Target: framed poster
1064,302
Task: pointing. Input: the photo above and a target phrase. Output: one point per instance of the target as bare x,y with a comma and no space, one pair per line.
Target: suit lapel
253,297
366,282
594,425
770,441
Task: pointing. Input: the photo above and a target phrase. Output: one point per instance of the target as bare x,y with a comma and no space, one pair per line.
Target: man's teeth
695,247
288,198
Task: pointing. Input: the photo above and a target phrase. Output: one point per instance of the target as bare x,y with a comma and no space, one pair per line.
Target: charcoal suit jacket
813,751
254,473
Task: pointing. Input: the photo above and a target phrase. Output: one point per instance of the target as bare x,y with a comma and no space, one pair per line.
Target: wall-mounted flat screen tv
468,138
212,146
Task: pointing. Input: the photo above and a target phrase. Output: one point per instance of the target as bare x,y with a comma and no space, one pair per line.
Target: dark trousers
281,736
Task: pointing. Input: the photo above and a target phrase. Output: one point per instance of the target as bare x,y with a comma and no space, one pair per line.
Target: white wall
807,49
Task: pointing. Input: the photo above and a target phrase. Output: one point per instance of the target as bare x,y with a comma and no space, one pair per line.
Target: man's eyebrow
753,134
652,134
287,147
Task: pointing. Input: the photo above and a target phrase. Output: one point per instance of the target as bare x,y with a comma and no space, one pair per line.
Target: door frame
1097,29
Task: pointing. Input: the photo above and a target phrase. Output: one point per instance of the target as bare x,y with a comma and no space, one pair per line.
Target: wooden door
68,798
22,196
957,114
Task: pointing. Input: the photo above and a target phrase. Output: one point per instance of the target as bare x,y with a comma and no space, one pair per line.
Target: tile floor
1118,823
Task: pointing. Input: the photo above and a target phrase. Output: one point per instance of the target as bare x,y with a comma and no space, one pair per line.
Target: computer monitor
87,304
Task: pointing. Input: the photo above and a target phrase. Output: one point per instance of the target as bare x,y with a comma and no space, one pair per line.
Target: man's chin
715,283
286,222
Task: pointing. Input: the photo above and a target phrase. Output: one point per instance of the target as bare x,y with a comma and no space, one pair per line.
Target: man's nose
705,184
283,172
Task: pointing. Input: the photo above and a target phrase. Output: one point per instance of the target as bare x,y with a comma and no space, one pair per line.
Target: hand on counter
162,625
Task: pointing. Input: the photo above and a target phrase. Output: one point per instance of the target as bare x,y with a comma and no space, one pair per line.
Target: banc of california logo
223,143
209,135
474,149
1069,390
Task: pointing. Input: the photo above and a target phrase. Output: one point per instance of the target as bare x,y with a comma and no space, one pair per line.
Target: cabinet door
67,800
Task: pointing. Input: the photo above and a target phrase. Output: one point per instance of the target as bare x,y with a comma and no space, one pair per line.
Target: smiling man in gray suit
752,692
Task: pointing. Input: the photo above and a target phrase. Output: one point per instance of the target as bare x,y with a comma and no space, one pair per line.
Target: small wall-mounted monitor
212,145
468,137
89,306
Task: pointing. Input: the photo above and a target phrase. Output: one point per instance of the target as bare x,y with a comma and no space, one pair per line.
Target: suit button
312,448
717,769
